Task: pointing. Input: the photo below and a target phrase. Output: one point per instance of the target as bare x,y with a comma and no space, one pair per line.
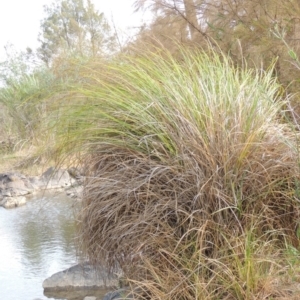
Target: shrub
192,176
24,102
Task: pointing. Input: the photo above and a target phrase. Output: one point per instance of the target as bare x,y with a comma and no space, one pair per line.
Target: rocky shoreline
16,187
84,280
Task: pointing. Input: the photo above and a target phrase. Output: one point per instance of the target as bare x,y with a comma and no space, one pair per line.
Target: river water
36,241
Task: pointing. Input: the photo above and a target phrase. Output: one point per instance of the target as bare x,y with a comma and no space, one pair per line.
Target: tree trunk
191,16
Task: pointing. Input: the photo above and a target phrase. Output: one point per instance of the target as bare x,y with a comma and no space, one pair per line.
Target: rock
75,192
35,182
53,179
6,193
90,298
16,189
10,176
11,202
80,276
14,185
75,172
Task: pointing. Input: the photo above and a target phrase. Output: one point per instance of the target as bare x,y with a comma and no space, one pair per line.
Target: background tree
74,26
17,64
259,32
183,12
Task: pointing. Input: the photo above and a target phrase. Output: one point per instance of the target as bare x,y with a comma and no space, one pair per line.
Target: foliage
190,174
243,29
16,65
74,26
24,101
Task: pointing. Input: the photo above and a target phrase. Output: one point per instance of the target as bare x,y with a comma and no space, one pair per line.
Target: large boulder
81,276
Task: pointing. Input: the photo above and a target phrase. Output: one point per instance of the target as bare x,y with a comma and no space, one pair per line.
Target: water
36,241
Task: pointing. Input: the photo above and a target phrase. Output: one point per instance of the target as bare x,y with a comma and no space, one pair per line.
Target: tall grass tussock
192,186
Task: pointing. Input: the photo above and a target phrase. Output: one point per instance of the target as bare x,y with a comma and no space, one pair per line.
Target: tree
256,30
186,12
214,19
74,26
17,64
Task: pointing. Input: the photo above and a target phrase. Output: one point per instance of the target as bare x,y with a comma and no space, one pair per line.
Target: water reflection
36,241
77,295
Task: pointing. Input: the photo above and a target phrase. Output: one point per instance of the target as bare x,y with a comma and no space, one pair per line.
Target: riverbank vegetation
192,175
191,152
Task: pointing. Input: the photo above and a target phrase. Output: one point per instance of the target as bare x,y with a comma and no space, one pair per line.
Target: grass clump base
192,177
